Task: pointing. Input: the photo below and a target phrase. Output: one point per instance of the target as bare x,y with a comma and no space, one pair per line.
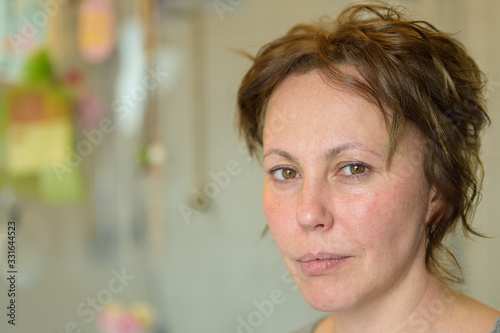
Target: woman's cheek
280,212
273,208
362,213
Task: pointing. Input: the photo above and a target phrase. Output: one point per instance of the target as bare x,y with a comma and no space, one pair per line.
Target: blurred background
137,207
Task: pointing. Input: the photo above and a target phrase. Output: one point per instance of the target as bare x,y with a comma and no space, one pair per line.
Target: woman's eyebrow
329,154
282,153
347,146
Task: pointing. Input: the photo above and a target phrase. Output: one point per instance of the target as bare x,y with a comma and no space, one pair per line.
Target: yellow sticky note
34,146
39,130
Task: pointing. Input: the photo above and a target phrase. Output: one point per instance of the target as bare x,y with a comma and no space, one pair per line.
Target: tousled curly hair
412,72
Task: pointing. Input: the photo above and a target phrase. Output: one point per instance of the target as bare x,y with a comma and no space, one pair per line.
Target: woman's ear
435,207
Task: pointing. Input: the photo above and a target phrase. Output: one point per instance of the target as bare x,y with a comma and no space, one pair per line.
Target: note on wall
39,129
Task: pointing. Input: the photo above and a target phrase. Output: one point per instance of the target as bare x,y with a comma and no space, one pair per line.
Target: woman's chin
324,304
326,297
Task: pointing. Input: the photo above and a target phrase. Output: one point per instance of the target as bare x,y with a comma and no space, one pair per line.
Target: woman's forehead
306,105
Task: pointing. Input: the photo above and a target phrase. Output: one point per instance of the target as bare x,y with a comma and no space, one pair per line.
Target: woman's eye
284,173
353,169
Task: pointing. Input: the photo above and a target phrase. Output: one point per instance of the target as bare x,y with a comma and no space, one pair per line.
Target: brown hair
413,72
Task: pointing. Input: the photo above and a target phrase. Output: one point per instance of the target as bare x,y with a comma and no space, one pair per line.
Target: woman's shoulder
478,316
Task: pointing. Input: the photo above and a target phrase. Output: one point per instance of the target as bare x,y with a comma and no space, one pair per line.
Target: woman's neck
415,305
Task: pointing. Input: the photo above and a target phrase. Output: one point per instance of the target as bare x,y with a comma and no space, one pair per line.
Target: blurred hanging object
37,131
62,46
154,161
96,30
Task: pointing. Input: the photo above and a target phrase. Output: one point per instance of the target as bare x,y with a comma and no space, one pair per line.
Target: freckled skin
376,219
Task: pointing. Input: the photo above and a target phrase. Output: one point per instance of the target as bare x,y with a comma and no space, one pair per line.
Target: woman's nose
313,211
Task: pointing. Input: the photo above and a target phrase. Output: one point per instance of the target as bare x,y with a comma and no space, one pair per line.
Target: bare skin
444,310
352,231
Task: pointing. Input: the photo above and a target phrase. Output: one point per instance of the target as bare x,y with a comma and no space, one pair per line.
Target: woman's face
350,229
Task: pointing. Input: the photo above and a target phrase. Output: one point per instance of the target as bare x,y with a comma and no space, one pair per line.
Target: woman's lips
321,264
